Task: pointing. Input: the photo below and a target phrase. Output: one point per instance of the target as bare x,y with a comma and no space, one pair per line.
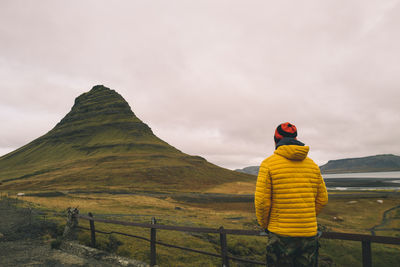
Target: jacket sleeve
322,196
262,198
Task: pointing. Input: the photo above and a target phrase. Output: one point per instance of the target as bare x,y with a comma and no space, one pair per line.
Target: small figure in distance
290,192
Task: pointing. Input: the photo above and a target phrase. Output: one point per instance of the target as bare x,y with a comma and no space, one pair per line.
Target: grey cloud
213,78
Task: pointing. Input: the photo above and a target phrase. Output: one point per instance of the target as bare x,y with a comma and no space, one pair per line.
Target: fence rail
365,240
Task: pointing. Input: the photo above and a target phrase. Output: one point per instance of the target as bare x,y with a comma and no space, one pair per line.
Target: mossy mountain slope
101,145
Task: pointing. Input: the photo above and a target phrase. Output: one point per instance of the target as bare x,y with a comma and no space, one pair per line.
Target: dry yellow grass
244,188
356,217
208,215
100,202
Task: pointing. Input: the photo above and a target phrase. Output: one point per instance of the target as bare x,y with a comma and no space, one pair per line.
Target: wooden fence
365,240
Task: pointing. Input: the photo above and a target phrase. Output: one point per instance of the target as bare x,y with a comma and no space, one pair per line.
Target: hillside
376,163
101,145
253,170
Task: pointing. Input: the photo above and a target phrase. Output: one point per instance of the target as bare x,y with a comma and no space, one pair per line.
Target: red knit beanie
285,130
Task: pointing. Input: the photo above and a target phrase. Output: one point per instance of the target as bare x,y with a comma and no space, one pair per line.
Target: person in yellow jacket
290,192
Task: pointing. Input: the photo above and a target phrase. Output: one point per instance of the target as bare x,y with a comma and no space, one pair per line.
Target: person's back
290,192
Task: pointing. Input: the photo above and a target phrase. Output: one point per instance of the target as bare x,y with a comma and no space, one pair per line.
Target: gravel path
22,243
39,253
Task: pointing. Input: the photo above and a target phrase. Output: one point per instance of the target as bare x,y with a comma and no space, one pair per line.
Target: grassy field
351,213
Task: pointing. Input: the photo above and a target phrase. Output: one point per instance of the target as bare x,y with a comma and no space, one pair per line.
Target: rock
88,252
380,201
352,202
1,236
338,219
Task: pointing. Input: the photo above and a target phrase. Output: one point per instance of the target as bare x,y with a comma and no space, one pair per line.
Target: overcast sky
212,78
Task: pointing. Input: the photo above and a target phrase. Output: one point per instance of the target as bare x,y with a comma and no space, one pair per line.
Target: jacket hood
292,149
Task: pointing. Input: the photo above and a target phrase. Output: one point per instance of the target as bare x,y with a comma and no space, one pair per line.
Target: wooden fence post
72,224
92,231
366,253
224,247
153,237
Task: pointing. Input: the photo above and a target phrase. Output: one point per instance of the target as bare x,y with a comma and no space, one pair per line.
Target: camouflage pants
291,251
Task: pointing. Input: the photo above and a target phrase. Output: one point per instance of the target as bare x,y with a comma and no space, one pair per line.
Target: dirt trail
25,240
39,253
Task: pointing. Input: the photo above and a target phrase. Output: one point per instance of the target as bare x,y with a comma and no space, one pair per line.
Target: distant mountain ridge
101,145
253,170
377,163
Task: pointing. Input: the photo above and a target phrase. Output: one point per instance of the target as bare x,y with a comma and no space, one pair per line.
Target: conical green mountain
101,145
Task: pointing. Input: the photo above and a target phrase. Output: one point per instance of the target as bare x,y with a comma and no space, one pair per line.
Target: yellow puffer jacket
290,192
